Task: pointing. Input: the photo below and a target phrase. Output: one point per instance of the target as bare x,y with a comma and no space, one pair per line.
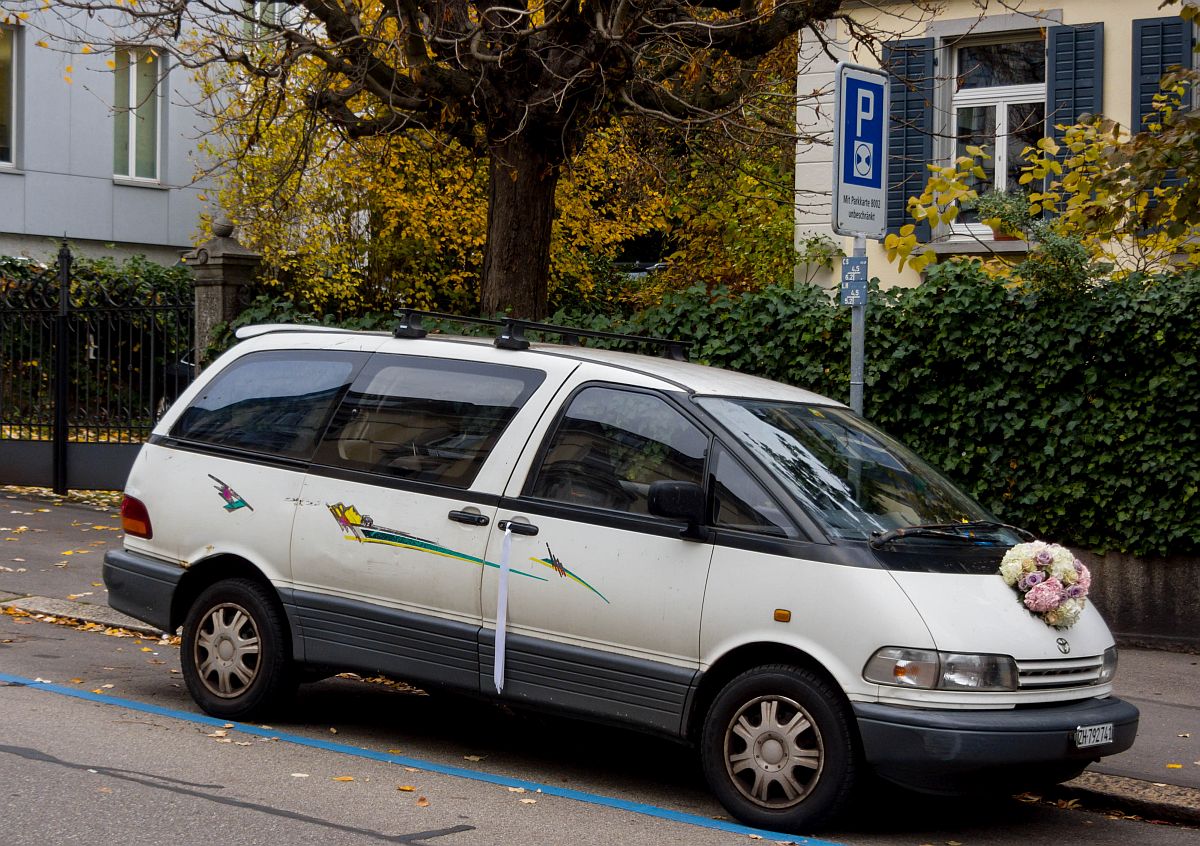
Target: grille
1059,672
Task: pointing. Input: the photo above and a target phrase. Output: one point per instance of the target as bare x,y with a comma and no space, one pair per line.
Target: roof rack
511,334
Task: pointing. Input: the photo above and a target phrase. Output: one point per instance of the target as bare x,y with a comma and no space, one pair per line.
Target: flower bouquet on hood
1049,579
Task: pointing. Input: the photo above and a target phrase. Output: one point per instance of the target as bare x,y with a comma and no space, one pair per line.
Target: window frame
12,33
998,96
134,108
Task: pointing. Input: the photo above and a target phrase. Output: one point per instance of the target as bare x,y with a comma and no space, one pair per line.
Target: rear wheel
778,749
236,656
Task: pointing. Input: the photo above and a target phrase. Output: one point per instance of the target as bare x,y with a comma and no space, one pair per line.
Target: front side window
136,106
276,403
999,102
611,444
852,477
741,502
8,91
426,419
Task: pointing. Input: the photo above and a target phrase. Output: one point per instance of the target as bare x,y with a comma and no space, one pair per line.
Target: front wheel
235,652
778,749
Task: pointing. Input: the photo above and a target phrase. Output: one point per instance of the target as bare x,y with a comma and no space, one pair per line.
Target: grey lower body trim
599,685
141,587
361,636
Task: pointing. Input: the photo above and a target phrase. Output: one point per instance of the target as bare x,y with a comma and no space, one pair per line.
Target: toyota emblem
1063,646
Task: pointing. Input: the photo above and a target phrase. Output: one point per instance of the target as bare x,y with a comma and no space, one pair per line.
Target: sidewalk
50,563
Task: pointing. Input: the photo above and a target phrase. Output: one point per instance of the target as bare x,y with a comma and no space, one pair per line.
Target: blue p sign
862,133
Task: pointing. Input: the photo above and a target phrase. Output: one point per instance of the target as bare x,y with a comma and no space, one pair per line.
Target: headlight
1109,668
929,670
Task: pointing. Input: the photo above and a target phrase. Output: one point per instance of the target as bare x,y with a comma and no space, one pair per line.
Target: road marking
427,766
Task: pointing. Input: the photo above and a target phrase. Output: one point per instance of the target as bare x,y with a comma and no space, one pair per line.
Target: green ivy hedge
1072,415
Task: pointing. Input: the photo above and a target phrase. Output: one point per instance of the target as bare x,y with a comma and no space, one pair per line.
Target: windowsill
976,247
13,169
131,182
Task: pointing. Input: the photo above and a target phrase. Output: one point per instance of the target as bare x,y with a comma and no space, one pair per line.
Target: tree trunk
516,263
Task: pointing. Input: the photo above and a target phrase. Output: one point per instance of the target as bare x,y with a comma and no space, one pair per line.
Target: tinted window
741,502
611,444
426,419
270,402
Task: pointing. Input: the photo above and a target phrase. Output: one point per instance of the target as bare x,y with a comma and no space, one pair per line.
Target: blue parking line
417,763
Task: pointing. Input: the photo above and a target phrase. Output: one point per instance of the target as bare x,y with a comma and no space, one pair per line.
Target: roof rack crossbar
512,332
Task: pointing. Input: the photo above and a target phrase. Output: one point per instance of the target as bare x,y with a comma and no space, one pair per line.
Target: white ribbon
502,608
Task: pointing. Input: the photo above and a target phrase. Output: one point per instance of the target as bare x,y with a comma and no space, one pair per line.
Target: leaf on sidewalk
1174,766
422,802
528,801
474,757
343,778
406,788
299,775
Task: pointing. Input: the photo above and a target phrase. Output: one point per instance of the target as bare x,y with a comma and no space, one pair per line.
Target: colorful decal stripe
557,566
398,539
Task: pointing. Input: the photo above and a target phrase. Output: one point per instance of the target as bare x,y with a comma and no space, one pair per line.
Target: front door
604,600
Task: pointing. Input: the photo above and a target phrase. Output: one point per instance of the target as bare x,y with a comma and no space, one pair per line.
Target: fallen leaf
474,757
953,843
395,751
241,743
1184,734
227,726
343,778
299,775
333,731
218,733
534,802
516,790
1174,766
106,686
147,649
407,788
411,770
76,681
422,802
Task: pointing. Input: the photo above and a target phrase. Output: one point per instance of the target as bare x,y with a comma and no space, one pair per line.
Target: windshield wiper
947,531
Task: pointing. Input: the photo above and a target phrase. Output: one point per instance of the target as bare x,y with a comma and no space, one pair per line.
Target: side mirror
679,501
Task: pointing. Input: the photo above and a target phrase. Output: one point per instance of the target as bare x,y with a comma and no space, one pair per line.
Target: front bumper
141,587
947,750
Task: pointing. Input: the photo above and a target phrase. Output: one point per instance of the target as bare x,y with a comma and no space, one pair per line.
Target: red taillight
135,519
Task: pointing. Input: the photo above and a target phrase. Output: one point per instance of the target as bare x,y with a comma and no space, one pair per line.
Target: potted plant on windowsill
1007,213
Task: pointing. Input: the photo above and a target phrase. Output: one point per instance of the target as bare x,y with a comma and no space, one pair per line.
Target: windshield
850,475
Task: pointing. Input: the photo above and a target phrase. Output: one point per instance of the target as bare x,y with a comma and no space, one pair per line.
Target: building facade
1001,77
97,145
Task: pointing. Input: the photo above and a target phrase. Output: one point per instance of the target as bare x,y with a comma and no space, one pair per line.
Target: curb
83,611
1150,800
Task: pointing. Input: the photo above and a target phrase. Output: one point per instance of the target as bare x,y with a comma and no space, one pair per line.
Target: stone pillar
221,267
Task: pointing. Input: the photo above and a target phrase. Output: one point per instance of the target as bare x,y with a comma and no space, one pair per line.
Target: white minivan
703,554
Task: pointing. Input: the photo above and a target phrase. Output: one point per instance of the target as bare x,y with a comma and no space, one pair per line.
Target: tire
236,655
778,749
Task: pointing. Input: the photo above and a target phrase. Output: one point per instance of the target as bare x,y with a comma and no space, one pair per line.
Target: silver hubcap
773,752
227,650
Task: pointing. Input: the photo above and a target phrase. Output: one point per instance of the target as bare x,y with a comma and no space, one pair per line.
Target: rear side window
274,402
426,419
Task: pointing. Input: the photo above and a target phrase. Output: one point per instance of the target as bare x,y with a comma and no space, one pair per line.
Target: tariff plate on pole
854,281
860,152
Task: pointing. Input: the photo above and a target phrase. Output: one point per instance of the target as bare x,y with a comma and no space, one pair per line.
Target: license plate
1086,736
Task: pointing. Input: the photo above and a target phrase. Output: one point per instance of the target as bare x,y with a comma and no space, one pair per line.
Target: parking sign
860,152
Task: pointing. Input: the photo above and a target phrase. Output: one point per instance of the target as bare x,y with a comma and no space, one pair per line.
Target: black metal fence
86,367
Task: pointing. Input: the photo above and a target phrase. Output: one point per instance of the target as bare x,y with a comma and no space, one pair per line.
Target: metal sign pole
858,333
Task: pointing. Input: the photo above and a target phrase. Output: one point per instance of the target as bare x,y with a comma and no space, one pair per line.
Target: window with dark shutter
1075,59
910,131
1158,45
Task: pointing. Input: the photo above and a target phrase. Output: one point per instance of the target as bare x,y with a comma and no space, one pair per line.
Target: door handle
518,528
470,518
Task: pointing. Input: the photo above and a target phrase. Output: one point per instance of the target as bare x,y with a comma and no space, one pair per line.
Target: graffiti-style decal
233,500
555,563
361,528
